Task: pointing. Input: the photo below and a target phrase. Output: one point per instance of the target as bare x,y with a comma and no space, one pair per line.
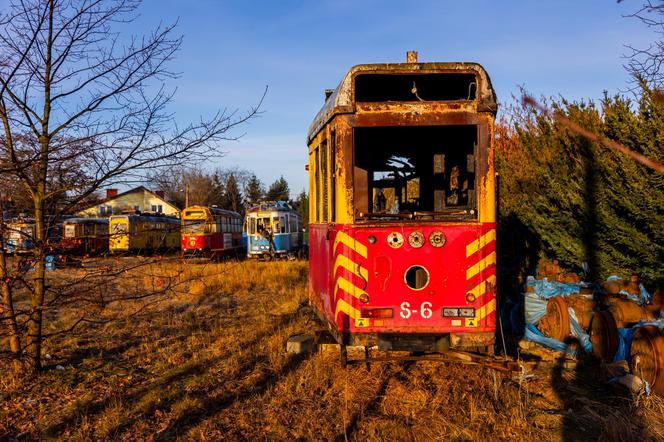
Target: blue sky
233,49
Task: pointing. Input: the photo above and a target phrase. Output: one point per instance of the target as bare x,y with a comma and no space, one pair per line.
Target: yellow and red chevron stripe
481,275
348,273
350,242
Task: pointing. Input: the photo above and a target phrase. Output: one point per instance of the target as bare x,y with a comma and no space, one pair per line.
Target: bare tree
646,64
76,89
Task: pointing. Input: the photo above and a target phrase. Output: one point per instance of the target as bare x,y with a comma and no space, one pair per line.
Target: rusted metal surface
341,101
604,335
647,355
626,312
556,321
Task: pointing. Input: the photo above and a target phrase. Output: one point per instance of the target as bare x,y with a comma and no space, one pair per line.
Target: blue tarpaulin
533,334
546,289
535,308
642,298
625,336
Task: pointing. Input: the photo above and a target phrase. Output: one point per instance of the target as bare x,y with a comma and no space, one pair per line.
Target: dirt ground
208,362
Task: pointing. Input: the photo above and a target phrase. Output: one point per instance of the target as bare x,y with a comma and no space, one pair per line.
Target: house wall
144,200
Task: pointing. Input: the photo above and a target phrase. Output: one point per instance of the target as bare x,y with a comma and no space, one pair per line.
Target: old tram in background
143,233
211,232
19,235
402,207
84,236
274,230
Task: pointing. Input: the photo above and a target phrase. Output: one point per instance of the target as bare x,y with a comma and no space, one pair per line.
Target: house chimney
111,193
411,57
159,193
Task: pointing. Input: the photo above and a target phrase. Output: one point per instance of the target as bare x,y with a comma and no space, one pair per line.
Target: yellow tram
143,233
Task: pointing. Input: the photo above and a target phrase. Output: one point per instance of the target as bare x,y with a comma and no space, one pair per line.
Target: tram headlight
416,240
382,313
395,240
437,239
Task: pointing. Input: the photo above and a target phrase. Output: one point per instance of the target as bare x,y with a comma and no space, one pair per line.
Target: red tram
402,207
85,236
211,232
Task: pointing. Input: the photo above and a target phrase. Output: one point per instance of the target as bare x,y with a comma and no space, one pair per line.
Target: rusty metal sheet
341,100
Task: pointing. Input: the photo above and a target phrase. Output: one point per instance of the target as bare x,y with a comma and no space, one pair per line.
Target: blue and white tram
274,230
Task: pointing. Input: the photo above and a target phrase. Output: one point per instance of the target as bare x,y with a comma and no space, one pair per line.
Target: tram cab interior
273,229
274,224
423,172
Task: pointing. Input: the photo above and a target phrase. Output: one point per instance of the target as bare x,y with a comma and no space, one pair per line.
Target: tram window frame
324,180
333,176
317,184
388,158
411,87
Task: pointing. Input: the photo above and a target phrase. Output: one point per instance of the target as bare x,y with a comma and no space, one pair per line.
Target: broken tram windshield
415,172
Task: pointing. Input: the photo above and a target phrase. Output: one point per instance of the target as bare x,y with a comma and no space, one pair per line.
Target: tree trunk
8,313
35,321
39,197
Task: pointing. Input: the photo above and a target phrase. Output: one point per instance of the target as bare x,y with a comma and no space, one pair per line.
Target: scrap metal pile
616,321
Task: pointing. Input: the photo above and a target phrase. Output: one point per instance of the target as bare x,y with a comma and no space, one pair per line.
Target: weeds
207,362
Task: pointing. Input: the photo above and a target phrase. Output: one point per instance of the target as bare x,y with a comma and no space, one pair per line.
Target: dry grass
207,362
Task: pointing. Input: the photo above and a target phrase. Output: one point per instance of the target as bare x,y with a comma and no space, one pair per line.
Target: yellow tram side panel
339,172
486,201
141,234
118,229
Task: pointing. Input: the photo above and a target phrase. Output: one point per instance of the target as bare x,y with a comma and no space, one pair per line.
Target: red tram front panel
360,277
209,244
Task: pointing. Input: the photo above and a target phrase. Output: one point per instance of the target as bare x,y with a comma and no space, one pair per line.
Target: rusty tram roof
341,100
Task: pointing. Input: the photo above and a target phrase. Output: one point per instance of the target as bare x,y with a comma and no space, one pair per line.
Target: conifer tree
302,206
254,190
279,190
233,199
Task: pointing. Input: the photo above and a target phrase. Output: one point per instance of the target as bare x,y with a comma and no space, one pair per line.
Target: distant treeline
233,189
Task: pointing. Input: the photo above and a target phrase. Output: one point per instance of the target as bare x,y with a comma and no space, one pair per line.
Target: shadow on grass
374,404
94,407
213,404
590,411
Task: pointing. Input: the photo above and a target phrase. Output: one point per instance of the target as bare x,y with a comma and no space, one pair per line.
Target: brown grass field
208,362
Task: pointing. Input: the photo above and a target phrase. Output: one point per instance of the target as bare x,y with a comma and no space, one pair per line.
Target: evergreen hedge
584,202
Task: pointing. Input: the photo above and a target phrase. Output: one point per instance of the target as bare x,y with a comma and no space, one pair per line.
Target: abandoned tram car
274,230
211,232
402,232
84,236
141,233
